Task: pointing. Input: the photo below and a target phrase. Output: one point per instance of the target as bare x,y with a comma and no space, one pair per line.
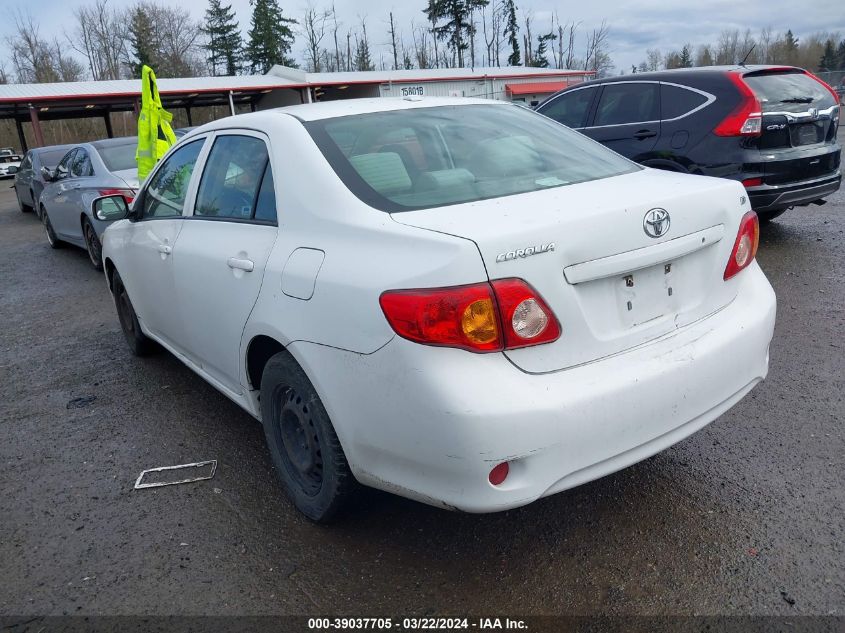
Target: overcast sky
634,26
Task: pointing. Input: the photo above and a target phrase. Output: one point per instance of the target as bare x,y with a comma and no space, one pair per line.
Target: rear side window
570,108
119,157
454,154
676,101
232,178
789,92
623,103
81,165
51,158
27,161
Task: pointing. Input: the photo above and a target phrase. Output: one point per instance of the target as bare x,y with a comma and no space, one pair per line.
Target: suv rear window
430,157
789,92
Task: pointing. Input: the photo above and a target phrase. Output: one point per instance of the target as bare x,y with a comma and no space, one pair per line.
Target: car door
55,196
627,117
571,107
81,179
222,251
23,180
157,221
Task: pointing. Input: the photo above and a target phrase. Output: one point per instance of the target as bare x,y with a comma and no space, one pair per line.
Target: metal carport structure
33,103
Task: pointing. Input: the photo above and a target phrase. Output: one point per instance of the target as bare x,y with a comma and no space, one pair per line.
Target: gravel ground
745,517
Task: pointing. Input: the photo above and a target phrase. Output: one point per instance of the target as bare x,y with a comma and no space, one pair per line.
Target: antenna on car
742,63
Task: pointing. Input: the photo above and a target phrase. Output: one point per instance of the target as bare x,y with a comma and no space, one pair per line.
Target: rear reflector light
752,182
747,118
499,473
483,317
745,246
128,194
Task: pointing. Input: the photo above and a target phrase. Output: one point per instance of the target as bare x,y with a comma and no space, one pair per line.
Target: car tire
306,453
93,245
138,342
52,239
25,208
767,216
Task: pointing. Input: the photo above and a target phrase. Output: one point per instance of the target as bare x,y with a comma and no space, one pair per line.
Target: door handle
165,249
247,265
643,134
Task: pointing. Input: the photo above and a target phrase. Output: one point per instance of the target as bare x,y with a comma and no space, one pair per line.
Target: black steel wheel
138,342
306,453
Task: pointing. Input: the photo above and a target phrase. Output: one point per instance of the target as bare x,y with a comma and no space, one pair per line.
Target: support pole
36,126
188,114
107,121
21,135
231,104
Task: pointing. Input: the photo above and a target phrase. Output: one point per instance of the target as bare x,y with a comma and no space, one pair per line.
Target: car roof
52,148
112,142
339,108
676,74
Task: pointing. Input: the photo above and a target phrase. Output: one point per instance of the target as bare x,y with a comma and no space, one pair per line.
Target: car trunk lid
585,249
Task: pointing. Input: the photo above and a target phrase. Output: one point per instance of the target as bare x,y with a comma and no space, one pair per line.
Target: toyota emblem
656,222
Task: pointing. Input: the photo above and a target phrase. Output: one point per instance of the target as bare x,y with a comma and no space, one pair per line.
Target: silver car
88,171
31,177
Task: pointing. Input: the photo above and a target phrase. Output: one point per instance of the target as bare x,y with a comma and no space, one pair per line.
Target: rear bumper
430,423
775,198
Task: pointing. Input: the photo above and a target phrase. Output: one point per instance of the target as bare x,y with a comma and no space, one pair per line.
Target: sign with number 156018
413,91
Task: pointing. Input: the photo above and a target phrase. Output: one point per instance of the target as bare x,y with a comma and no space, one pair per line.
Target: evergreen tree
511,30
840,54
142,39
270,36
790,47
685,60
225,48
538,59
363,58
828,60
458,27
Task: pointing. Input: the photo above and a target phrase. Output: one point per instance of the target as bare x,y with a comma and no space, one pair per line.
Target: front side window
570,108
232,178
435,156
623,103
168,188
81,165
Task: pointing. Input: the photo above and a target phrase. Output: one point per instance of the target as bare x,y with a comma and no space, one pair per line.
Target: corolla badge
525,252
656,222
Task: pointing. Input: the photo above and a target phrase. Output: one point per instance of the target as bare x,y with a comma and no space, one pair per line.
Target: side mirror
110,208
46,174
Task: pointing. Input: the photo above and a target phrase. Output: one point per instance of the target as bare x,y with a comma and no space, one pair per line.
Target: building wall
480,88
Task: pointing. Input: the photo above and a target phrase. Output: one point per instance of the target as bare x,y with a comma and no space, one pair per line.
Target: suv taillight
747,118
745,246
484,317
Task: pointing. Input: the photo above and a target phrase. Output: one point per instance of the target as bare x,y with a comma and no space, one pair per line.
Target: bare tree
314,25
392,32
421,52
100,36
727,49
597,57
338,64
654,59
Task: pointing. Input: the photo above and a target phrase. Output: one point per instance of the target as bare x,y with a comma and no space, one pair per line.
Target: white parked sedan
455,300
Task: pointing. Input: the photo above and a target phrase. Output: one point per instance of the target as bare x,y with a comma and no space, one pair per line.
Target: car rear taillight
482,317
128,194
747,118
752,182
745,246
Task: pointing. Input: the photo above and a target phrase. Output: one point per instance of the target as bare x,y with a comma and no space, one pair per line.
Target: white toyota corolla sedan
455,300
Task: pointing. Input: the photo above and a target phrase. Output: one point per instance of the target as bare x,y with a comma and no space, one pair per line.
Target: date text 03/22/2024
414,624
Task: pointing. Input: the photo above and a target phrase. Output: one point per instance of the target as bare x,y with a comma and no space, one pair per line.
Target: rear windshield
118,157
789,92
429,157
50,159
